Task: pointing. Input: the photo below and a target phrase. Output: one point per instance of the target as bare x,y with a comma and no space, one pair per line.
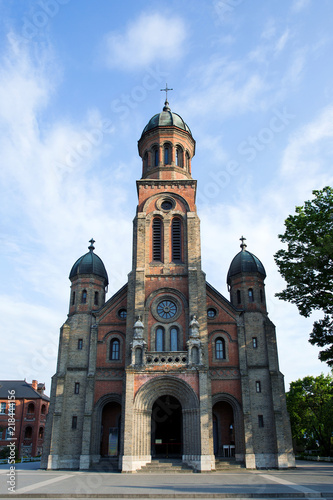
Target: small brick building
167,367
29,408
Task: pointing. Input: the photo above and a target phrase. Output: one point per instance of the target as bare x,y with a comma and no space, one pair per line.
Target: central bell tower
166,304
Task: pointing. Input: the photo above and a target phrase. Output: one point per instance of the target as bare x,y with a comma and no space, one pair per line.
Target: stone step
223,464
166,466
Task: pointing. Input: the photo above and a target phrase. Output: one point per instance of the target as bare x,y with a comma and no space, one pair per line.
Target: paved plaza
309,480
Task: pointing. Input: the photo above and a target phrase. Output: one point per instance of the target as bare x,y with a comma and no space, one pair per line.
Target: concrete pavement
313,480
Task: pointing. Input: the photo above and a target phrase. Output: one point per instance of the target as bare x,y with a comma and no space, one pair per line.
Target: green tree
307,266
310,406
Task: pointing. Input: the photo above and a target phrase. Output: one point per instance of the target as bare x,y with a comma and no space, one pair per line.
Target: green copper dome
89,263
166,119
245,262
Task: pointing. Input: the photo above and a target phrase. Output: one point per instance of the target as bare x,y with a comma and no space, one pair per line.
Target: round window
166,309
122,313
166,205
211,312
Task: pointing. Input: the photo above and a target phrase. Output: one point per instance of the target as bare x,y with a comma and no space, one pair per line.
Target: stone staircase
223,464
166,466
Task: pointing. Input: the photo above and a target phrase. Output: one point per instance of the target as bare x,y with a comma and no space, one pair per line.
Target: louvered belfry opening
157,239
176,240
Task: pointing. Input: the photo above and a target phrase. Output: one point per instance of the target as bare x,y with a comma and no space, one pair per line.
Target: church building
168,366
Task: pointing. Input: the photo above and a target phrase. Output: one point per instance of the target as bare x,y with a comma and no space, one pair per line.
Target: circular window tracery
166,205
166,309
122,313
211,312
173,305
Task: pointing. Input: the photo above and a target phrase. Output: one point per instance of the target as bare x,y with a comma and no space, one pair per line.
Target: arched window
174,339
239,299
167,155
96,299
28,432
84,297
157,238
176,236
219,348
73,298
155,153
145,160
41,433
115,349
159,339
179,156
251,297
31,408
187,159
43,410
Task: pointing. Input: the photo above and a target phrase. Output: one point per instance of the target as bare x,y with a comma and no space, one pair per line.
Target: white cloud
223,87
31,344
310,147
299,5
269,29
52,203
282,41
151,37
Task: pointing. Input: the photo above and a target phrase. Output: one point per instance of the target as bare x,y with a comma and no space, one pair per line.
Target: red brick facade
167,347
23,423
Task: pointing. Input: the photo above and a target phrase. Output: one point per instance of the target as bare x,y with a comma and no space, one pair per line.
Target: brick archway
97,422
142,414
237,421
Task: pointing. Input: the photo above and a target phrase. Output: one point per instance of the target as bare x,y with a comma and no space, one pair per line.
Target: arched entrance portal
166,427
110,430
224,430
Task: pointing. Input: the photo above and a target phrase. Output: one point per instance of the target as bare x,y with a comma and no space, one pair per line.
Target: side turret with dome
89,282
245,280
166,147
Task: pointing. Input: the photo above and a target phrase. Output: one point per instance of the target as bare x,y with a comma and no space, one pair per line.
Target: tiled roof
22,390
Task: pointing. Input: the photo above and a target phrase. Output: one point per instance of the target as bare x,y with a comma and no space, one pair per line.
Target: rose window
166,309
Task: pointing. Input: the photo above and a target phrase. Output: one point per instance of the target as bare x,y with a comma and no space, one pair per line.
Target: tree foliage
307,265
310,406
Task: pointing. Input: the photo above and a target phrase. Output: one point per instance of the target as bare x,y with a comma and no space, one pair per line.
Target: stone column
85,458
250,461
207,458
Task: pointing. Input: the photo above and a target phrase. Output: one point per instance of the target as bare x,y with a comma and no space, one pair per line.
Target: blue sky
79,80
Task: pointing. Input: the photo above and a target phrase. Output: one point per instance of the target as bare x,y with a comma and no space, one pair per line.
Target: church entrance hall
166,428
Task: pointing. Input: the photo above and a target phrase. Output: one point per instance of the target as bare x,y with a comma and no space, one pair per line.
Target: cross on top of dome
243,245
91,247
166,104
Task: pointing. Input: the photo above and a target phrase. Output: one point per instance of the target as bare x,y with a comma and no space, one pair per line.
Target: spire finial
243,245
91,247
166,104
